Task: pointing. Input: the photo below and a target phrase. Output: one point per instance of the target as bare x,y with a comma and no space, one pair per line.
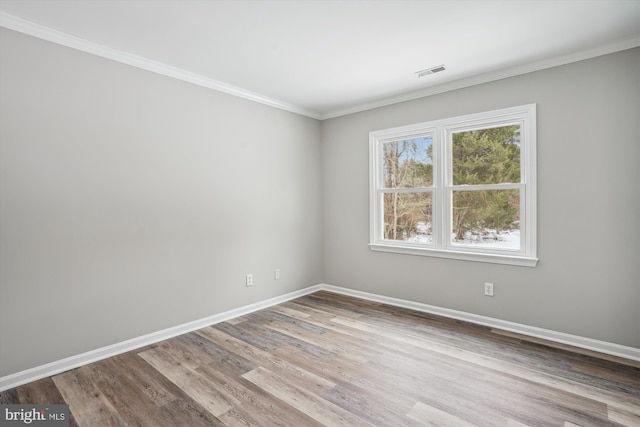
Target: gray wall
132,202
588,279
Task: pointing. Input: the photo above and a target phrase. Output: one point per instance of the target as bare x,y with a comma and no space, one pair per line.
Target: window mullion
442,158
524,221
407,190
487,218
479,187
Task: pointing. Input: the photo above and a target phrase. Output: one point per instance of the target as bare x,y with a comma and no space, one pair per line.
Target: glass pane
486,156
407,217
408,163
487,218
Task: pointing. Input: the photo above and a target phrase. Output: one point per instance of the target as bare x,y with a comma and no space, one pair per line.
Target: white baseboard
59,366
546,334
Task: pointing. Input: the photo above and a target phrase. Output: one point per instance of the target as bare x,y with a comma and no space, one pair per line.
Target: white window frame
441,131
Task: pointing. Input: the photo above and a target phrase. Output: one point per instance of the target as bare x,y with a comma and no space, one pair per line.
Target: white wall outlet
488,289
249,280
276,274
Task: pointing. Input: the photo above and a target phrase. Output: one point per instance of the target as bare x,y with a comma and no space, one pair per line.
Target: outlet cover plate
488,289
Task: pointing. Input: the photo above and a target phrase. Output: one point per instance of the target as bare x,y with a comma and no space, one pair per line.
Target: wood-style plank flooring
328,359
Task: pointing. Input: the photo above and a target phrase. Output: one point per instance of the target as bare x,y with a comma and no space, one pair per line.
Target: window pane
408,163
487,218
407,217
486,156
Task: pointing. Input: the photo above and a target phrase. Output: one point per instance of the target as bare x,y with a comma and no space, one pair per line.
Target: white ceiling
326,58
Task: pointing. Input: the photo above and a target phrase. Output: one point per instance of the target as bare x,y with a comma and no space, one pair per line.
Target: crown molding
32,29
488,77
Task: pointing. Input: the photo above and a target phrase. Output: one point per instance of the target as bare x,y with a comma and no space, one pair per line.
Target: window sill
517,260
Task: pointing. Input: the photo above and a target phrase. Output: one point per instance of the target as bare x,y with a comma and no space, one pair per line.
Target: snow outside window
462,188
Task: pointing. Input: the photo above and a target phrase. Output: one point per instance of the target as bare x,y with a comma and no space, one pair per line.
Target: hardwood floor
328,359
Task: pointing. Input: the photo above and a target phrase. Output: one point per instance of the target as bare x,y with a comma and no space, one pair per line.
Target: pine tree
485,156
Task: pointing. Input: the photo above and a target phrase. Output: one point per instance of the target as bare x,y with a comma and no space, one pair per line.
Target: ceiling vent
431,70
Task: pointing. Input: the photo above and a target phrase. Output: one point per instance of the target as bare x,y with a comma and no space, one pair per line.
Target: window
462,188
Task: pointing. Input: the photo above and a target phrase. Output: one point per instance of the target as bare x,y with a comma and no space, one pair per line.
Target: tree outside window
461,188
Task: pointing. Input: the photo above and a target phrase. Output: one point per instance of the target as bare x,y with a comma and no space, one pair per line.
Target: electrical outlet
249,280
276,274
488,289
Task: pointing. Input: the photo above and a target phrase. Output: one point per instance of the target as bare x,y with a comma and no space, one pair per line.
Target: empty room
320,212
